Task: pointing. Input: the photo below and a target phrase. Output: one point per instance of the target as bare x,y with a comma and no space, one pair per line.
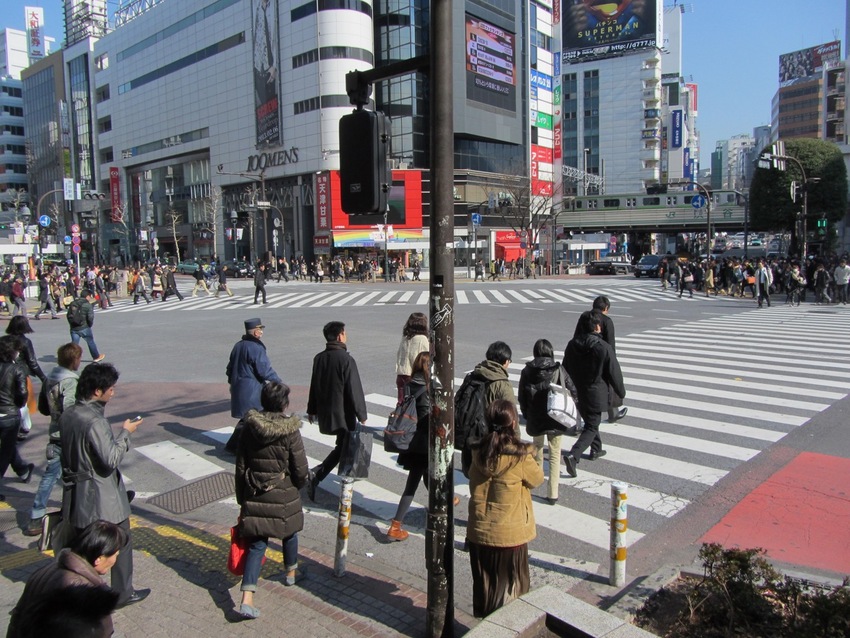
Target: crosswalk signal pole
439,534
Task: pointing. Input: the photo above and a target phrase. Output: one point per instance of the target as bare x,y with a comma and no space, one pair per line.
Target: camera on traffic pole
364,148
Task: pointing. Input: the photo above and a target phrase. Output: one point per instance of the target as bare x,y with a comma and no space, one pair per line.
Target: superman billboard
608,28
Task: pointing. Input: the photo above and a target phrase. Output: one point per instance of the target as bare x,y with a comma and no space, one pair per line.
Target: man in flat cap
248,370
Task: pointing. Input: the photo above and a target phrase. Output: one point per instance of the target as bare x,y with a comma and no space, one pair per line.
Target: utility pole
439,534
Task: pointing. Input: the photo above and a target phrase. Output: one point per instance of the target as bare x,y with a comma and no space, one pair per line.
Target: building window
101,62
104,125
106,156
102,94
304,106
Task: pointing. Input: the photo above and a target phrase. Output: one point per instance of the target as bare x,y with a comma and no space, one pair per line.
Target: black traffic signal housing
364,149
94,195
822,224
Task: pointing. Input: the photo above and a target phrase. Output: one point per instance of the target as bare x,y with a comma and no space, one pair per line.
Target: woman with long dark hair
13,396
415,458
414,339
20,327
501,515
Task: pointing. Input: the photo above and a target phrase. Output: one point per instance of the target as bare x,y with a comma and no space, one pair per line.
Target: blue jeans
88,335
254,560
48,480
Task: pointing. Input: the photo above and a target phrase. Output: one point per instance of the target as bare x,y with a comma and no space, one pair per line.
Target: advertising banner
805,63
35,35
490,64
266,73
323,201
540,155
686,165
692,88
543,120
115,194
676,129
603,28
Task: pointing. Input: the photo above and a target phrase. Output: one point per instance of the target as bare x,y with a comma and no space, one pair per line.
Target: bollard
345,496
619,527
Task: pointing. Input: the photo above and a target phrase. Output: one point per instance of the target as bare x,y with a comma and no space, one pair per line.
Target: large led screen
603,28
490,64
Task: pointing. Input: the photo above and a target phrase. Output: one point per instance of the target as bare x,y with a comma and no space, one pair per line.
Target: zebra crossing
354,295
703,398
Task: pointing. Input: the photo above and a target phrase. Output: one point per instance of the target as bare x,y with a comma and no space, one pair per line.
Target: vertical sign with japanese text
35,35
323,201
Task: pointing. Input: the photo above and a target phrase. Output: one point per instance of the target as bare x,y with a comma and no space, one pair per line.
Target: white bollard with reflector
619,527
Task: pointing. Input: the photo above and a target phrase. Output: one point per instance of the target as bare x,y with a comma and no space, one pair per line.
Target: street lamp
260,179
234,218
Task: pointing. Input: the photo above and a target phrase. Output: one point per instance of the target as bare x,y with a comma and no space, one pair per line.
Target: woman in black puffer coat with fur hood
271,466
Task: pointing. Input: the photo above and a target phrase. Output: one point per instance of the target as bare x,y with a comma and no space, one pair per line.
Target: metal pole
345,495
439,534
619,527
386,247
265,213
805,220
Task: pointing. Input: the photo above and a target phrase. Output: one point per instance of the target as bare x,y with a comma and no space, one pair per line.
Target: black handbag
356,453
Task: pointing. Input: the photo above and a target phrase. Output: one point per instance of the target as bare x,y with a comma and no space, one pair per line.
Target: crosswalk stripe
665,465
518,296
693,444
482,298
461,297
351,296
755,361
387,297
538,297
500,297
641,497
310,299
178,460
712,408
704,339
640,371
709,425
423,298
362,301
748,397
289,298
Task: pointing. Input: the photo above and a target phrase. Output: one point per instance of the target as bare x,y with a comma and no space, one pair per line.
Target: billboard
676,128
490,64
805,63
603,28
35,35
266,73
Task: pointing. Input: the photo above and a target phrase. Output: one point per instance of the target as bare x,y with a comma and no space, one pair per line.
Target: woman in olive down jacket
501,516
271,466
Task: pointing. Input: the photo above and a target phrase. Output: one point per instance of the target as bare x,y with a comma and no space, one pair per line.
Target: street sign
794,191
263,204
75,240
67,239
68,189
44,220
476,219
524,234
75,228
76,248
698,201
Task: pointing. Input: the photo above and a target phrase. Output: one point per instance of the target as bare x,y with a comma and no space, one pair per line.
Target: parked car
188,266
239,268
601,267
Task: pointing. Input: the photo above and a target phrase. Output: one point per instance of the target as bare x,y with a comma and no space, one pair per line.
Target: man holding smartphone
91,454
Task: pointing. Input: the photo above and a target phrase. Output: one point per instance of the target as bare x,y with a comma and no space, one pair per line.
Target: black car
602,267
239,268
648,266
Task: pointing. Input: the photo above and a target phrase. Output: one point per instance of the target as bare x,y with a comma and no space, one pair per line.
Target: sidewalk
193,594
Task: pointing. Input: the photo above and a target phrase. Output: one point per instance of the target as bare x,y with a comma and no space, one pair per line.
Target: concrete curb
557,611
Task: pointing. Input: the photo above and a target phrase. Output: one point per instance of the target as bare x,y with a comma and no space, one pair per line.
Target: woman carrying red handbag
271,466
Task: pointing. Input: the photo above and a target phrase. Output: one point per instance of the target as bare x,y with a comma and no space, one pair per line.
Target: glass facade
44,132
401,33
81,123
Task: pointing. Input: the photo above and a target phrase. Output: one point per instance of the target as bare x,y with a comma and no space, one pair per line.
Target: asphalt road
715,386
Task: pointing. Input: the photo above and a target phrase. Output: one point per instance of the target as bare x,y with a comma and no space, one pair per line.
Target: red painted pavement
800,515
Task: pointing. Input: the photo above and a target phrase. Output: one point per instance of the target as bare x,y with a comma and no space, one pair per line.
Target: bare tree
174,219
527,212
209,213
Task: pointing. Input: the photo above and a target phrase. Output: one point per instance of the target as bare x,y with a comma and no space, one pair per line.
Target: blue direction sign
44,220
476,219
67,239
698,201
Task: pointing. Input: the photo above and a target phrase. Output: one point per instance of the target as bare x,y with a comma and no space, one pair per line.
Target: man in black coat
593,367
602,304
336,398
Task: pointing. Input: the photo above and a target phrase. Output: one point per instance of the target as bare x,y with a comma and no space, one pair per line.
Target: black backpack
470,424
76,314
401,424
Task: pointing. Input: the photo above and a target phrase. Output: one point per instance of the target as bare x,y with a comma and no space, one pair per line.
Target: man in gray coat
336,398
91,454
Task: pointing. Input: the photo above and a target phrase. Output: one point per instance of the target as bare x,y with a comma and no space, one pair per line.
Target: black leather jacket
28,360
13,388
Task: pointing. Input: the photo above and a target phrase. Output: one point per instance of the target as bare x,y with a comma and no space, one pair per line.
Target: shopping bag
560,406
238,552
356,453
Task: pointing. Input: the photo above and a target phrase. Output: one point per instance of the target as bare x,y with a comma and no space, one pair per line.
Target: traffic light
364,147
822,226
94,195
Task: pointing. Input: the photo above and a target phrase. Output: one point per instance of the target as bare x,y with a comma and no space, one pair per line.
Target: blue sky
731,49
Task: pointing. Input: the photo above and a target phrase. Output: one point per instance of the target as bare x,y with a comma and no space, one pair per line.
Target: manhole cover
197,494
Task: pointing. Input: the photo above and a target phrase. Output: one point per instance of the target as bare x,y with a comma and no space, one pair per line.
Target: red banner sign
115,194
